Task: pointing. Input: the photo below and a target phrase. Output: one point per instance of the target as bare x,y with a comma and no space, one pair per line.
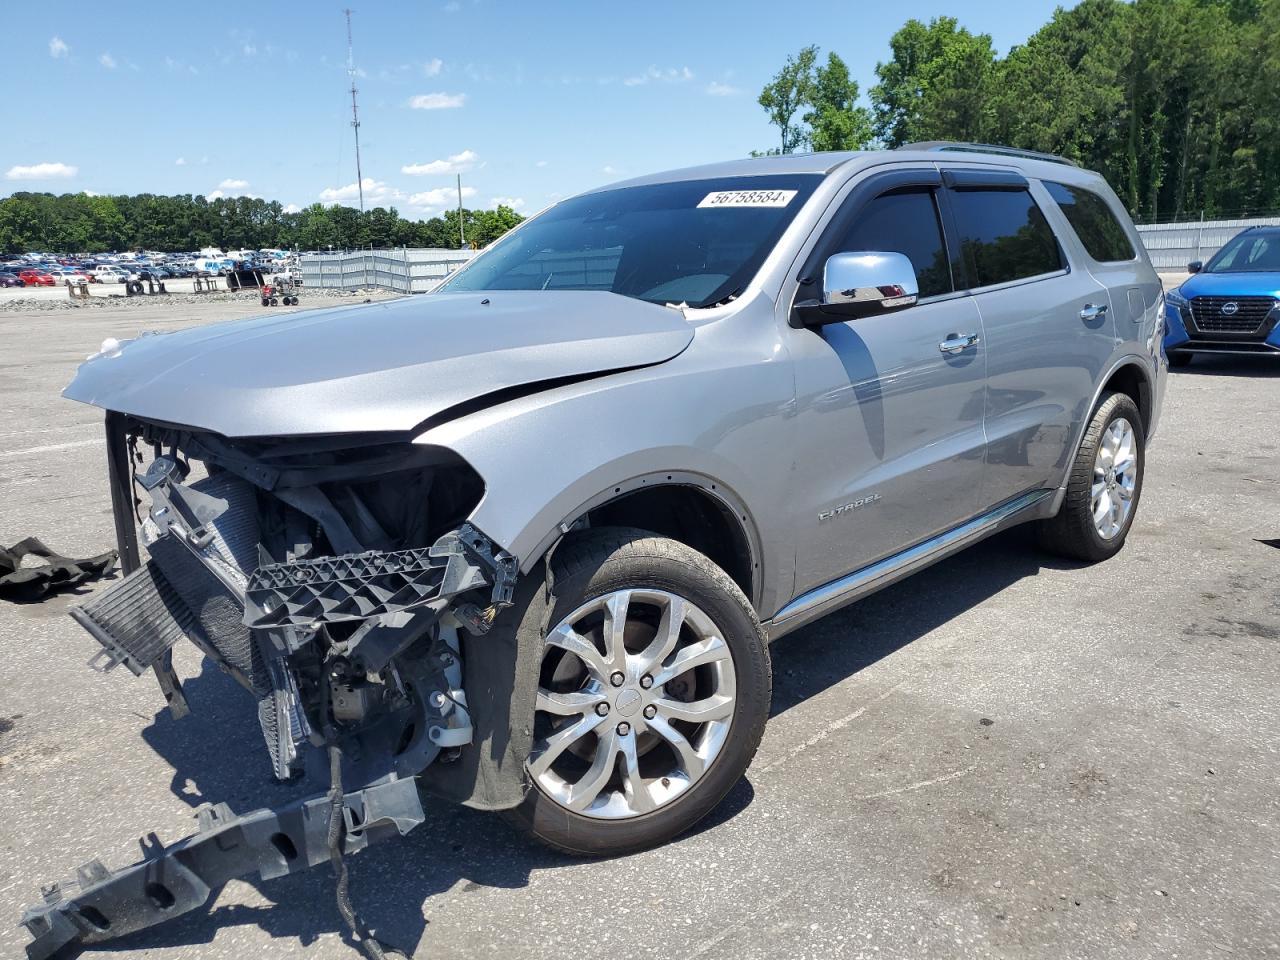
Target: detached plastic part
360,586
102,904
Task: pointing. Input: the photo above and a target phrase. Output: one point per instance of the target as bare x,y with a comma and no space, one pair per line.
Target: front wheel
1104,486
653,694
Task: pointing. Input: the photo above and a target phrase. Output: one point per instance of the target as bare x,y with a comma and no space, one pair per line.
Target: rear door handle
1093,312
957,342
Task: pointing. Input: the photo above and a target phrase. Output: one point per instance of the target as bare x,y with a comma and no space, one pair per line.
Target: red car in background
37,278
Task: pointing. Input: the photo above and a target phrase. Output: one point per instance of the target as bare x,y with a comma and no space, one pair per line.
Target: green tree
789,91
836,122
935,84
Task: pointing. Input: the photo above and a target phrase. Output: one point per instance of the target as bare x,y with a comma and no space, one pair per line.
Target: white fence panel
1173,245
403,270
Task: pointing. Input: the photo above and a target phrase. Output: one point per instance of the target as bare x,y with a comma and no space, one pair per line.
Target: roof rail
953,146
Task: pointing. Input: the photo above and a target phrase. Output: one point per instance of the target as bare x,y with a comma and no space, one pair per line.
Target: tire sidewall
1115,407
720,599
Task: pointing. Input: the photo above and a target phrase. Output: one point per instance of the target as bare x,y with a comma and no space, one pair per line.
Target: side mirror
860,285
1195,266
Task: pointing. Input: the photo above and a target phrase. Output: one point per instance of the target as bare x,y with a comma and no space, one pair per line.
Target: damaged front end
334,578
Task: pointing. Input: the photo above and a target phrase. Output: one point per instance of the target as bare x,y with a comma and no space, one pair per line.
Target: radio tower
355,113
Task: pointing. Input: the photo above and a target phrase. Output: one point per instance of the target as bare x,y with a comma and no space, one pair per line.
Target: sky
529,102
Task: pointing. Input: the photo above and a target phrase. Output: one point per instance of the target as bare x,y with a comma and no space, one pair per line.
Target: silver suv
524,542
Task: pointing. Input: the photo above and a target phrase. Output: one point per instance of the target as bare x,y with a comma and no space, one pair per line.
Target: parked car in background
11,279
37,278
1230,305
110,273
69,275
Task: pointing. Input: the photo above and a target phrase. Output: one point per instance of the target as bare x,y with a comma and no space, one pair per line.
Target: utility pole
462,231
355,113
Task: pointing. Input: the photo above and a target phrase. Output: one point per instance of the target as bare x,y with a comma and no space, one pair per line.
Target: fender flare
718,491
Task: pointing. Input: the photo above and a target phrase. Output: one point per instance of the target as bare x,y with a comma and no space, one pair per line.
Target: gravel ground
1005,756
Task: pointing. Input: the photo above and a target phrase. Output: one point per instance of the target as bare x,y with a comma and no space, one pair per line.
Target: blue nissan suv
1230,304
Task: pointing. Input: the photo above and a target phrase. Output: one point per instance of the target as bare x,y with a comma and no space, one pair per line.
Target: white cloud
515,203
659,75
458,163
58,48
429,201
718,89
292,208
91,193
376,193
233,184
607,169
541,163
249,50
41,171
216,195
108,61
180,162
433,67
437,101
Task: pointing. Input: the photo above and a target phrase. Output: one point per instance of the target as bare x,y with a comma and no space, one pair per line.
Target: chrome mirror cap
871,280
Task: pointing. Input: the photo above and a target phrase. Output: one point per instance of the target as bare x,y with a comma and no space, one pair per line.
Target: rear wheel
653,695
1104,486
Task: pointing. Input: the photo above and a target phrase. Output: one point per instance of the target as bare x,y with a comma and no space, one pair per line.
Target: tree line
81,223
1175,102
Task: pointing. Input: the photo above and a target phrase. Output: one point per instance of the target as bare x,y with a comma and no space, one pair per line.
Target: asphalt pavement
1004,756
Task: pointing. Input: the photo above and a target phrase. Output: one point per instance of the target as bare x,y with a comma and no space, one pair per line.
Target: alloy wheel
635,700
1115,478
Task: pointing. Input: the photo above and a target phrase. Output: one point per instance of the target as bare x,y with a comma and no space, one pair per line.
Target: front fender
545,457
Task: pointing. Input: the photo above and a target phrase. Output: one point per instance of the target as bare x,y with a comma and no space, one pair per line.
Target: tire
1178,360
1074,533
266,301
275,302
595,565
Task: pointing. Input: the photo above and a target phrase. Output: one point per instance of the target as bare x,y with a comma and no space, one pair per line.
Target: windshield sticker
748,198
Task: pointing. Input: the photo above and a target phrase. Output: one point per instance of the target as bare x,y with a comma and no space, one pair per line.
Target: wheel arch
690,508
1131,377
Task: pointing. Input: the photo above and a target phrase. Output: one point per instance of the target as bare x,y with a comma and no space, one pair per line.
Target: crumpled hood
1231,285
374,367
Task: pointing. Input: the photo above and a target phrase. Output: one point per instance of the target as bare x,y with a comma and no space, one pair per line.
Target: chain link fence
405,270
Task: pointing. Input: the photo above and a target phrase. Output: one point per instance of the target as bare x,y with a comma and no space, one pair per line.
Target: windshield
1247,253
697,242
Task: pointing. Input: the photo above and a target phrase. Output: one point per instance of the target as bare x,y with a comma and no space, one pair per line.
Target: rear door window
1091,218
1004,236
905,222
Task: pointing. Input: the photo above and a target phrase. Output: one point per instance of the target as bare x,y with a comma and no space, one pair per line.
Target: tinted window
905,223
697,241
1004,236
1247,252
1093,222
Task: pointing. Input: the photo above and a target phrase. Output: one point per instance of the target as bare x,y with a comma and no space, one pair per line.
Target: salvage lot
1004,756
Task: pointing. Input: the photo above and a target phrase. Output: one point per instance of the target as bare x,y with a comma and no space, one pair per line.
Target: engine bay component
331,582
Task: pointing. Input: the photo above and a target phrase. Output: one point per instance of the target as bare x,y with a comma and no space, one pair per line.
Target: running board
854,586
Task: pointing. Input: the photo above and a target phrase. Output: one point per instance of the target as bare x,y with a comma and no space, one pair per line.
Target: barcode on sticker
748,198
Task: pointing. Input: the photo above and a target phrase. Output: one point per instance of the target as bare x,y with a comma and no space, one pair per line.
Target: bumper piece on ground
102,904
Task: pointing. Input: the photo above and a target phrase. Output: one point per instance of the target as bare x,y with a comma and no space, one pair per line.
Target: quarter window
1004,236
905,222
1094,223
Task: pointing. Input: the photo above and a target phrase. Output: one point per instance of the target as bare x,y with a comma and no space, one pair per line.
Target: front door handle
1093,312
957,342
